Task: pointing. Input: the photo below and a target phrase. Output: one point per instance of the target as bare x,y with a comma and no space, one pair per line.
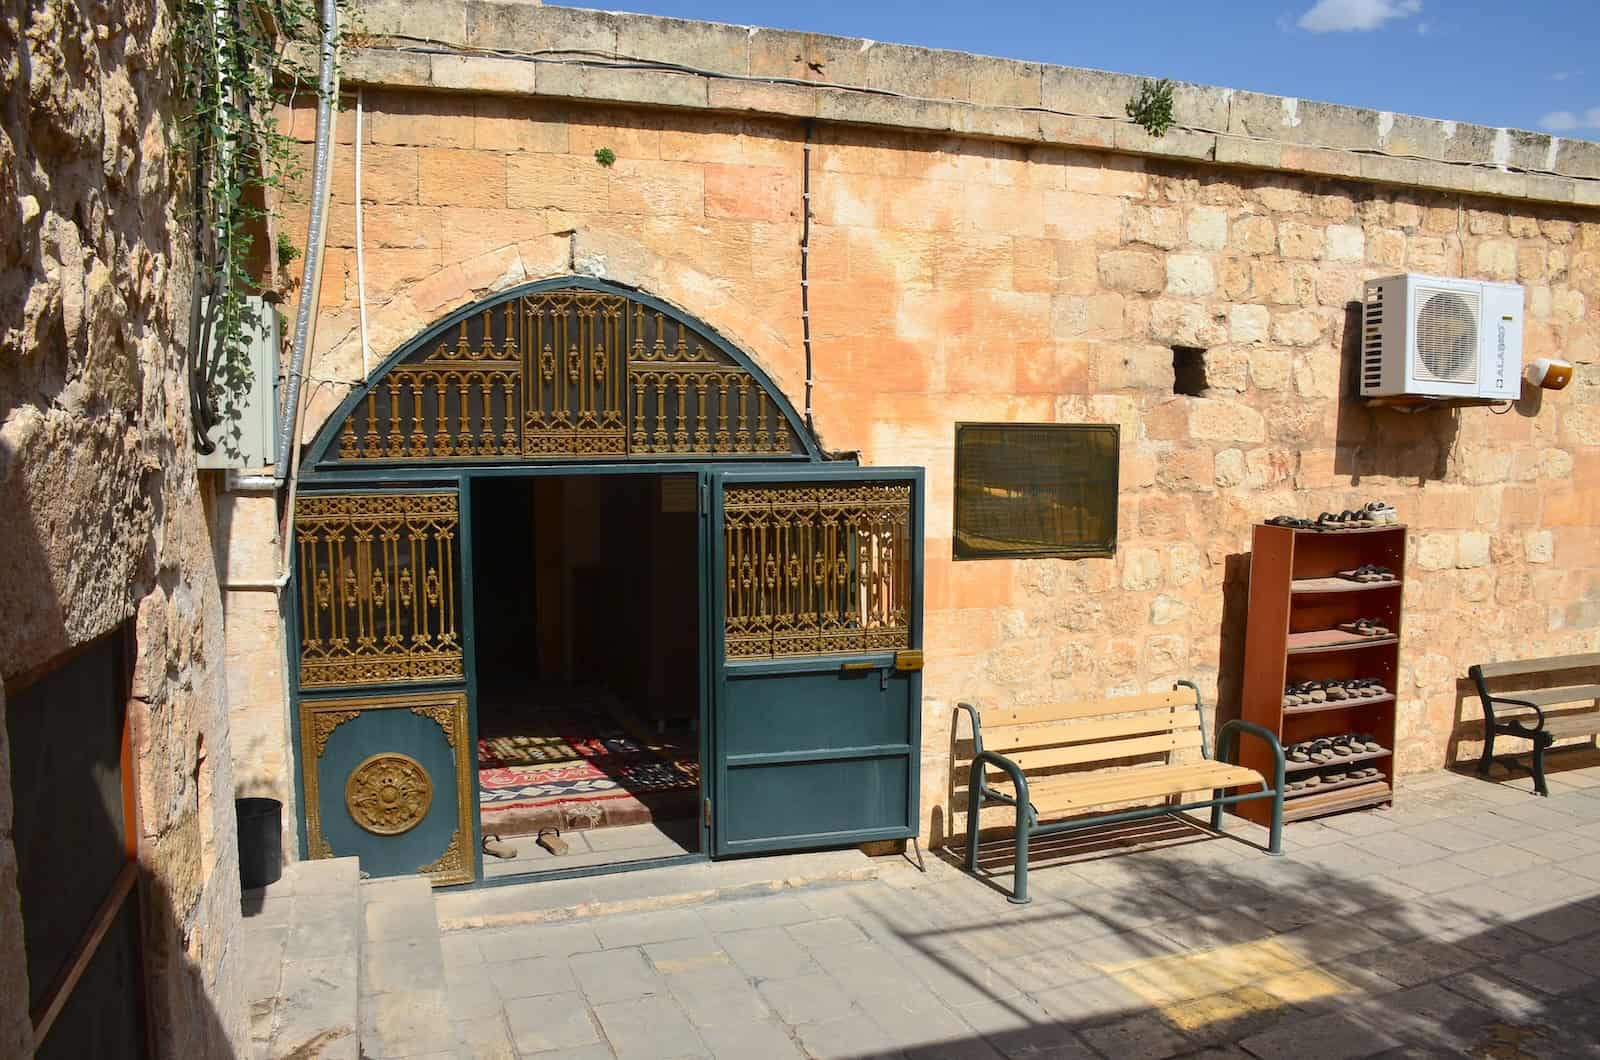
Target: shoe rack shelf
1337,763
1318,640
1341,704
1296,604
1310,586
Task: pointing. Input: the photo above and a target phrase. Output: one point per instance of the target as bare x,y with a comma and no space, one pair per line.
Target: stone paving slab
1451,930
302,937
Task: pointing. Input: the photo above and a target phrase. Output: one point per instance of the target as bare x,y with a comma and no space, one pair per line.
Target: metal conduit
311,276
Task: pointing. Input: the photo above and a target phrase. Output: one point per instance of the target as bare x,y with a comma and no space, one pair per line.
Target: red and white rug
592,774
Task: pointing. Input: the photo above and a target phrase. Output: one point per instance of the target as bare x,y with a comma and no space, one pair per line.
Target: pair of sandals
1330,778
1368,572
1330,749
1365,627
1334,691
1346,520
1377,513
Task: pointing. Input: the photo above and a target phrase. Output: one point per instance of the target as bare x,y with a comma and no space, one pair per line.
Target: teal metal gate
387,770
816,635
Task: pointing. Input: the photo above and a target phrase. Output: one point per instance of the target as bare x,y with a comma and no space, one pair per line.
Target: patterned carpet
595,774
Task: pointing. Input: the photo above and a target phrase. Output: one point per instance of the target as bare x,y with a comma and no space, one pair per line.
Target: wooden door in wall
383,728
816,635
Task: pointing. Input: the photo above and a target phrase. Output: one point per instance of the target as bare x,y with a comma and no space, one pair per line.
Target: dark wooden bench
1506,711
1063,760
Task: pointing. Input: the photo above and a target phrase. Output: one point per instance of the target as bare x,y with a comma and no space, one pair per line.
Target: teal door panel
384,783
822,803
815,634
816,711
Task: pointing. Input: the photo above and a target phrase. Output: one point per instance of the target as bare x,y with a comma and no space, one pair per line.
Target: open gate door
816,636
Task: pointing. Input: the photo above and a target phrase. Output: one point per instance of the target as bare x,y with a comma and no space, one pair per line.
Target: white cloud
1569,121
1424,28
1334,16
1559,75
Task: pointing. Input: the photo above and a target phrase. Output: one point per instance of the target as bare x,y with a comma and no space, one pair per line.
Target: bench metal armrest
1228,738
1489,699
1538,710
972,715
1014,771
977,745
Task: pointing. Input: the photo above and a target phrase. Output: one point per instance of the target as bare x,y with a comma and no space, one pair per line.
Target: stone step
645,890
404,1005
301,939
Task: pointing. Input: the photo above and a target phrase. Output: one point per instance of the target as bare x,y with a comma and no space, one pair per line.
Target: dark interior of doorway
586,616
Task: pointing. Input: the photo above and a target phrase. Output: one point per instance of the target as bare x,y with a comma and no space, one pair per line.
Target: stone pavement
1466,922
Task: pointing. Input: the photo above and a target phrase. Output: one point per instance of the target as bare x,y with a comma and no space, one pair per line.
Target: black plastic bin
260,841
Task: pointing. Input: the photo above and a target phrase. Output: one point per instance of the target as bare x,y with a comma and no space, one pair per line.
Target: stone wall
103,519
959,279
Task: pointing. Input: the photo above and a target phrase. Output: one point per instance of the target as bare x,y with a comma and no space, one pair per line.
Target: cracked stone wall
957,279
104,518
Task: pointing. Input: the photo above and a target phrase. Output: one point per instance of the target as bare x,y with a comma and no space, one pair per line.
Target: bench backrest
1521,667
1054,736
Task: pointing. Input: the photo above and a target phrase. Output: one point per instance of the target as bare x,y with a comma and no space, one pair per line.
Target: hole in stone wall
1189,371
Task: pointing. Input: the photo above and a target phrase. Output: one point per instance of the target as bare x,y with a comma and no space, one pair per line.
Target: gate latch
863,665
908,660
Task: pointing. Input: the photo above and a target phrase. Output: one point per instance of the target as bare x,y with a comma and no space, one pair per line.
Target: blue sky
1529,64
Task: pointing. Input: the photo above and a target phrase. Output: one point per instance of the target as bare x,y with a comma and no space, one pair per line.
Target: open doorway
587,614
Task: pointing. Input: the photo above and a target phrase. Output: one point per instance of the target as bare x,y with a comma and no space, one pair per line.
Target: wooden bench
1542,727
1063,760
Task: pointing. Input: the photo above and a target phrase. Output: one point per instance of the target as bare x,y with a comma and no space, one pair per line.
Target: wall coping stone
518,49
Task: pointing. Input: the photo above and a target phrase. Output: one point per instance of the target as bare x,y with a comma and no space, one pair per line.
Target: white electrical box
1430,336
250,438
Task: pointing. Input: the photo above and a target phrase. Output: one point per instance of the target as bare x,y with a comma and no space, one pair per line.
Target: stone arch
336,369
573,368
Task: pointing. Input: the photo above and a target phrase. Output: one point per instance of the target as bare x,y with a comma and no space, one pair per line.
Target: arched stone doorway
722,565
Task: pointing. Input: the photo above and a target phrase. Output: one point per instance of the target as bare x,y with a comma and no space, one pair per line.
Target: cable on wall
361,261
805,279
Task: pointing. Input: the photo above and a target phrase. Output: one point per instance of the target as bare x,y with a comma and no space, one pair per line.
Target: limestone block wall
961,279
248,553
101,513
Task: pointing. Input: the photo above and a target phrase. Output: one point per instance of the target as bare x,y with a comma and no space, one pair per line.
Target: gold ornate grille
566,373
817,569
378,601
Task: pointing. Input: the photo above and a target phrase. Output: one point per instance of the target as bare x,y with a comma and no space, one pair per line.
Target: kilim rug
593,774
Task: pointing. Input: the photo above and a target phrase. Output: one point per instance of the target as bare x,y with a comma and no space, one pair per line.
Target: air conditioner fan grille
1447,336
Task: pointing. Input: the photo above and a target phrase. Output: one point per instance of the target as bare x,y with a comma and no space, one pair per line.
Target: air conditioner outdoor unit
1429,336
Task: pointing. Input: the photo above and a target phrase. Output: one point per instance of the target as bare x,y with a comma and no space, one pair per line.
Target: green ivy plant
287,251
233,59
605,156
1151,109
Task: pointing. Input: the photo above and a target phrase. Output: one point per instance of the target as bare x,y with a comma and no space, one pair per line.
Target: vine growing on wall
234,59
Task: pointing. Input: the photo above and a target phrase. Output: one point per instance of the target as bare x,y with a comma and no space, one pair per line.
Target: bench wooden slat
1195,775
1538,666
1018,736
1564,725
1105,751
1155,782
1001,717
1546,697
1112,780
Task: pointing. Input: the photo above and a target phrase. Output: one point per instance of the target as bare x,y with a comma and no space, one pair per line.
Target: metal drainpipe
311,276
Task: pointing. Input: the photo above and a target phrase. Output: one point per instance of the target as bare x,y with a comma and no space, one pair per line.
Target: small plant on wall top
1151,109
605,156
